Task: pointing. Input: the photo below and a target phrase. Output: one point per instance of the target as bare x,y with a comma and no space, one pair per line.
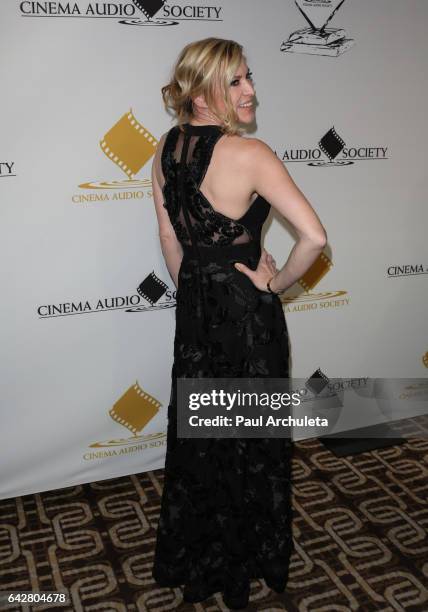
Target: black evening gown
226,505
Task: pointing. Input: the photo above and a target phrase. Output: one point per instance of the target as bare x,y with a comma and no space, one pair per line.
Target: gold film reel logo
321,266
129,145
425,359
316,272
135,409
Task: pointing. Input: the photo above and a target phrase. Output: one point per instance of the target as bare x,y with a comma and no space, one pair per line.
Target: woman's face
242,93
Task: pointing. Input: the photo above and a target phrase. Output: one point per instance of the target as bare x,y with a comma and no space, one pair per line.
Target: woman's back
208,188
226,183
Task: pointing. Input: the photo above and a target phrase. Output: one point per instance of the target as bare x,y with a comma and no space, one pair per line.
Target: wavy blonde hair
204,67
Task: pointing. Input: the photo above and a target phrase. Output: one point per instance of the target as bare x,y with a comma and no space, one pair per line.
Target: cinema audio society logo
315,301
135,13
129,145
317,39
134,410
333,151
152,294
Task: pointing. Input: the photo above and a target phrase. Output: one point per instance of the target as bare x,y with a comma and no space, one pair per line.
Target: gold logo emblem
328,299
315,273
135,409
129,145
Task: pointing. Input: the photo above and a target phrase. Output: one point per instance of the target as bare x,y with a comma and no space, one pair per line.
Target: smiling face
242,93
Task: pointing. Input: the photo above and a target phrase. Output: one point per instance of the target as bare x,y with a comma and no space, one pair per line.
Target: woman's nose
249,88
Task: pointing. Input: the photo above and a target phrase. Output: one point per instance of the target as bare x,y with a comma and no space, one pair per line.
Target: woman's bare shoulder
248,149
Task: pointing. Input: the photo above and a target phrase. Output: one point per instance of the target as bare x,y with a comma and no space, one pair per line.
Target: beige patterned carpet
360,527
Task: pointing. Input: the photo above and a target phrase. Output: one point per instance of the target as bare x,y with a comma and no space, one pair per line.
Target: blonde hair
202,68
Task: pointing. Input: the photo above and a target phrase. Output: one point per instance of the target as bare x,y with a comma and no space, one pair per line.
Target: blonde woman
226,504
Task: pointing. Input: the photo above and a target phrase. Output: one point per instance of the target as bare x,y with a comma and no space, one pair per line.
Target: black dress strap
190,229
182,194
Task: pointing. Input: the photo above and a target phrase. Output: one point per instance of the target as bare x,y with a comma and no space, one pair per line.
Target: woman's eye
249,77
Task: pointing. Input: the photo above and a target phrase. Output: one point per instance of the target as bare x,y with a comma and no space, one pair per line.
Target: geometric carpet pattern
360,527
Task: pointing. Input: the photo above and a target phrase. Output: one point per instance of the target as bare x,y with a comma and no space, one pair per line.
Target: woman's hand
266,268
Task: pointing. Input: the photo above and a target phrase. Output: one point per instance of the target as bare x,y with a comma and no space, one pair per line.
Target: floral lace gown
226,504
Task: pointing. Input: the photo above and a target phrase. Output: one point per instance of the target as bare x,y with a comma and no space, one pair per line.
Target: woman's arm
170,246
272,181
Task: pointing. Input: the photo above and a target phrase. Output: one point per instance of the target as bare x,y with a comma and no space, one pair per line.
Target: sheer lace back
185,160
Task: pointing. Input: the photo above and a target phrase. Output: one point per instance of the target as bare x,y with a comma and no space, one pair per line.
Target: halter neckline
206,127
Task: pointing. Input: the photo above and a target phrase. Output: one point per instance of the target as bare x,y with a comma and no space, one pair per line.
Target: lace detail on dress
210,227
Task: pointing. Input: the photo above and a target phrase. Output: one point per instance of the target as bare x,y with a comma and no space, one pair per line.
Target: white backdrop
86,359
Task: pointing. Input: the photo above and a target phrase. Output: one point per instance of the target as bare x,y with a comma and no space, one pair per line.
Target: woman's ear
199,102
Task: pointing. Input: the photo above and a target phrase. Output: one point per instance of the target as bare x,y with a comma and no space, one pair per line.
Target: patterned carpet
360,527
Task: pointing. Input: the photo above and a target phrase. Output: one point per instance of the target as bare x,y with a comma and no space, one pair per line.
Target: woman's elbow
321,239
317,239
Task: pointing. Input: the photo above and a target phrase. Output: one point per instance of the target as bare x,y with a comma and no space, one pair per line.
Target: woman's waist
223,253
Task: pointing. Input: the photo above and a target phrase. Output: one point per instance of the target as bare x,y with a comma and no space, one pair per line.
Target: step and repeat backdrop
88,306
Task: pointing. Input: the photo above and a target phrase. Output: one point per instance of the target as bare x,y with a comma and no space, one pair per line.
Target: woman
226,504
